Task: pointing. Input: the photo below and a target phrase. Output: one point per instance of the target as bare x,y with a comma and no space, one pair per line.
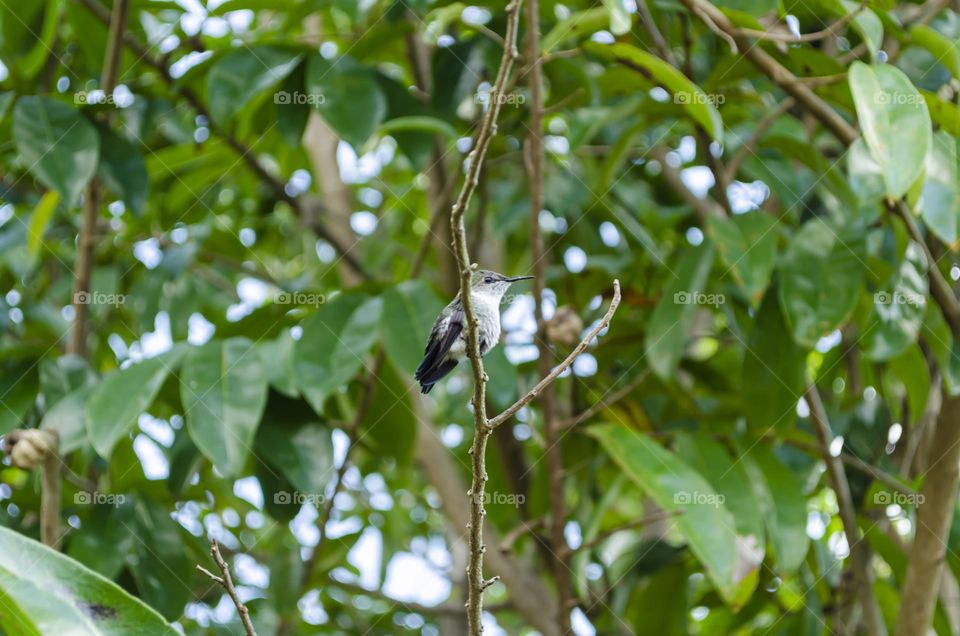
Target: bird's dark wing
442,337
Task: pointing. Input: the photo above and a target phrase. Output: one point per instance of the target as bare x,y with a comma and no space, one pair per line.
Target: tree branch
227,583
606,401
476,584
536,390
859,550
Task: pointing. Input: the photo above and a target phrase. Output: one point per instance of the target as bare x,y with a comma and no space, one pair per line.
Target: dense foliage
774,184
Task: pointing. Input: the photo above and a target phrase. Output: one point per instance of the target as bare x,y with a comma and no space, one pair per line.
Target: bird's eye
488,279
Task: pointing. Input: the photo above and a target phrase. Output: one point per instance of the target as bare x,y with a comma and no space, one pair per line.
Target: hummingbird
447,343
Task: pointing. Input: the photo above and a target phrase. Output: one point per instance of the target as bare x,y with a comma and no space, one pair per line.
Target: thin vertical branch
226,581
476,584
859,551
555,473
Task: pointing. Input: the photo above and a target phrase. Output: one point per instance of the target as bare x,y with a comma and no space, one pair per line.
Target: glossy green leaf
276,356
161,568
943,49
409,310
304,456
122,396
669,325
773,367
895,123
347,96
68,418
42,214
390,425
747,245
239,76
939,202
821,276
333,345
223,387
577,26
698,105
419,124
705,523
780,492
45,592
867,24
57,144
899,308
620,20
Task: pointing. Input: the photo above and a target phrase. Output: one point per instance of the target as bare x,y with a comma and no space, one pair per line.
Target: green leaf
705,522
867,24
68,418
409,310
898,310
333,344
691,97
729,479
121,397
419,123
895,123
161,567
390,425
57,144
945,50
276,356
940,198
747,245
45,592
348,97
780,492
910,370
773,368
123,170
578,26
40,220
239,76
864,173
821,276
303,455
223,387
670,323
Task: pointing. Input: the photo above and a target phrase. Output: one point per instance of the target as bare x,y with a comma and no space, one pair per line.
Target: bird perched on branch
447,344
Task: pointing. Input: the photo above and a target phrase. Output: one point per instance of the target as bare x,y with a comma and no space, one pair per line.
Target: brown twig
227,583
536,390
778,36
859,550
476,584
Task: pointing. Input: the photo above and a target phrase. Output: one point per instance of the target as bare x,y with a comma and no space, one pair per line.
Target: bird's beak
516,278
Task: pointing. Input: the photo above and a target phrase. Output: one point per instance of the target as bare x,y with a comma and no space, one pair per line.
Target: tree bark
934,513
